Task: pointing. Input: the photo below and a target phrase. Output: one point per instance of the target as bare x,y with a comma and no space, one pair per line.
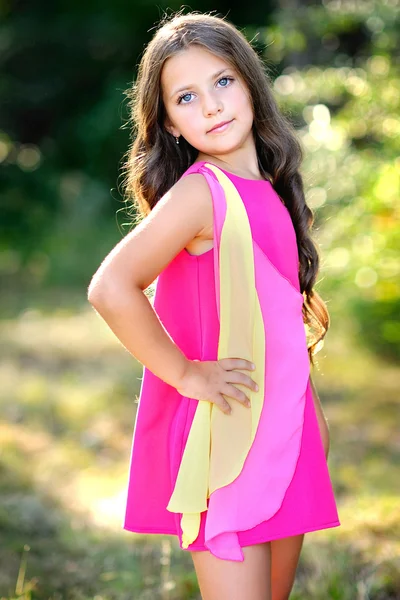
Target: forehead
190,65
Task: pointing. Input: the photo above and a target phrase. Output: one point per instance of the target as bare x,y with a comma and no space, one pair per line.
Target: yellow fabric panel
218,444
240,320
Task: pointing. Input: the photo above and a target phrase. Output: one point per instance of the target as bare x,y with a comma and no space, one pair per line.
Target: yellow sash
218,444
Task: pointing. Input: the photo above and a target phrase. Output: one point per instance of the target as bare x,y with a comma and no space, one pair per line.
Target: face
201,90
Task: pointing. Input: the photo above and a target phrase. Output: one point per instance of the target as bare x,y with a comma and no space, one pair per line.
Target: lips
219,125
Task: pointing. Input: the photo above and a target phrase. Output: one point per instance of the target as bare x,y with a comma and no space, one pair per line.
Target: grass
67,408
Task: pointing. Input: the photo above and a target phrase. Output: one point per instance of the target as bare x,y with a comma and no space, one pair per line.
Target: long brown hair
154,162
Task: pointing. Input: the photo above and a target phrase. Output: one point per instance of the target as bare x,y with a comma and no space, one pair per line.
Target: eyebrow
191,85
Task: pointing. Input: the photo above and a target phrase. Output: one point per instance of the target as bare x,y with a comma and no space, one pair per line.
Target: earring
177,140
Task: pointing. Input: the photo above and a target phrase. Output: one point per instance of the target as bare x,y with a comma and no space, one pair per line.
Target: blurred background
68,389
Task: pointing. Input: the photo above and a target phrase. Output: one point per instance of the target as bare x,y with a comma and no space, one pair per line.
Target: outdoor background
68,389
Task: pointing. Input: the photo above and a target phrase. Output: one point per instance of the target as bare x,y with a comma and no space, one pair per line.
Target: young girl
230,441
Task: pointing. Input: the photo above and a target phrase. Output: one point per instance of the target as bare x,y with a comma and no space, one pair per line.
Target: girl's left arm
322,420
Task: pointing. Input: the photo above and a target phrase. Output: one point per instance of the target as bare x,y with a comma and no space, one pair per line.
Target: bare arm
316,397
117,288
322,420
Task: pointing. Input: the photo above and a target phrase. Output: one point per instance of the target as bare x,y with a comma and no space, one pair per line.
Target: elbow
93,296
99,291
96,299
105,293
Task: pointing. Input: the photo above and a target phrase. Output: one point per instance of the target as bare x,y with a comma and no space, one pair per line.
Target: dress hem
256,540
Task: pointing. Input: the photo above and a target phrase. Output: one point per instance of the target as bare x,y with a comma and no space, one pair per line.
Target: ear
170,128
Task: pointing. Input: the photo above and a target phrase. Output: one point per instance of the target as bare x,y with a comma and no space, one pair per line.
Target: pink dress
280,485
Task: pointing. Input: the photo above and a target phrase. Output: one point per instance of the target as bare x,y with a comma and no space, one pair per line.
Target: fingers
233,375
223,404
237,377
234,392
236,363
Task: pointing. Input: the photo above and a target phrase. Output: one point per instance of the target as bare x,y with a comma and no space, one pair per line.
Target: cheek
243,102
189,120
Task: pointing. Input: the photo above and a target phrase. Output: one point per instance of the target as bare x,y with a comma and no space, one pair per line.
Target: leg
285,554
231,580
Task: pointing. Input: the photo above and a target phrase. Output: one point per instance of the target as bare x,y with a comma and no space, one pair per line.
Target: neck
242,162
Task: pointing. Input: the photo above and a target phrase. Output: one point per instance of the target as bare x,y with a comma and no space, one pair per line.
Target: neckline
232,174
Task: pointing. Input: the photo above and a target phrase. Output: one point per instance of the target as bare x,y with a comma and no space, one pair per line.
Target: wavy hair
154,162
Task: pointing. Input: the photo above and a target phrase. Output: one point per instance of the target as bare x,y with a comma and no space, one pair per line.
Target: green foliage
379,325
67,397
341,88
335,71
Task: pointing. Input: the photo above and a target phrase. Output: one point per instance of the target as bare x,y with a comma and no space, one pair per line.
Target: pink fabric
291,479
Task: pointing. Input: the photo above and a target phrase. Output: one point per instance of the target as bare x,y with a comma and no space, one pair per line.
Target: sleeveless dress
221,482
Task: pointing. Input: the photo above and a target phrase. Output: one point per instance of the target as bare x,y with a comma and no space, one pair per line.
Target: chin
227,147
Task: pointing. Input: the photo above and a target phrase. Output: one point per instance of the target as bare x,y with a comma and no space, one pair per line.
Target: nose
211,104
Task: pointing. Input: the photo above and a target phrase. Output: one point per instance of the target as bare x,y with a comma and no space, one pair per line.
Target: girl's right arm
116,291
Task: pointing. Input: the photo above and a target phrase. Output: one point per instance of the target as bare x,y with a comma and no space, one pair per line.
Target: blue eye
225,79
186,94
182,97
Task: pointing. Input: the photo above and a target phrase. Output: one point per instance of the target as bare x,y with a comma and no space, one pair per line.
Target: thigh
233,580
285,555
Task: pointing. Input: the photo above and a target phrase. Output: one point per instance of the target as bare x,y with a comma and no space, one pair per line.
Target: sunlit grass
67,401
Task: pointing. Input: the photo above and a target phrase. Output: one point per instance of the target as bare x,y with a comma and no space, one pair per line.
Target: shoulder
194,184
180,216
190,198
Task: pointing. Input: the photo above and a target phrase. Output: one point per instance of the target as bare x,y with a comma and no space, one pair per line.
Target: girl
230,442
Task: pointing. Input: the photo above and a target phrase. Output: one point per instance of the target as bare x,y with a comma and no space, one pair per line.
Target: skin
209,100
116,290
269,569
